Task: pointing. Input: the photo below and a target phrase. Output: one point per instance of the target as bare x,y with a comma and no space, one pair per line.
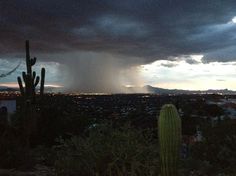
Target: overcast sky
101,45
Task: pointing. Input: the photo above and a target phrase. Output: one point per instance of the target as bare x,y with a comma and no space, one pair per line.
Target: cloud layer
149,29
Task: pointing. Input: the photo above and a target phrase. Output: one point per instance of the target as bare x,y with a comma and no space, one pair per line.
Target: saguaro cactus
28,108
30,79
169,132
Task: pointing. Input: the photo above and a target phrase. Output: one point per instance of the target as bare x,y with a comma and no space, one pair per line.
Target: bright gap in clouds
194,75
234,19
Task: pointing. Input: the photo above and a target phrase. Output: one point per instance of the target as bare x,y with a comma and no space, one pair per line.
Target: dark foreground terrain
116,134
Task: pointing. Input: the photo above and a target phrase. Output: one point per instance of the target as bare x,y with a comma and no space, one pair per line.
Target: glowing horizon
15,85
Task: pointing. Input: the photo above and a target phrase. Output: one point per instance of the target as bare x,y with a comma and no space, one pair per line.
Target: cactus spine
169,132
30,79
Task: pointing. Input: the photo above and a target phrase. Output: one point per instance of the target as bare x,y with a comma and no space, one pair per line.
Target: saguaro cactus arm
36,81
21,86
42,81
33,61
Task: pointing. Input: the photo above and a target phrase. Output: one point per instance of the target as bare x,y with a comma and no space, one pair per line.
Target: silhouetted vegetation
68,123
106,150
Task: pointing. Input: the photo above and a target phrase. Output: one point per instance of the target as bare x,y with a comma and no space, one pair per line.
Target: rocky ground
39,170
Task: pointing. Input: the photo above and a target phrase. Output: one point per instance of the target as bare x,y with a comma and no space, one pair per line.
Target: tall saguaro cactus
30,79
28,91
169,132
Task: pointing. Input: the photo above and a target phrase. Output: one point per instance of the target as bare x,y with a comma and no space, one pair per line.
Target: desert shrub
54,123
44,155
108,151
218,148
13,151
195,167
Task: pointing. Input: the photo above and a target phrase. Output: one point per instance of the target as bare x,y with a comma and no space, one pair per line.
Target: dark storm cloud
191,61
169,65
149,29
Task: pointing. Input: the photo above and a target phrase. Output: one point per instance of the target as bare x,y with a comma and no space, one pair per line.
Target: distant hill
157,90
